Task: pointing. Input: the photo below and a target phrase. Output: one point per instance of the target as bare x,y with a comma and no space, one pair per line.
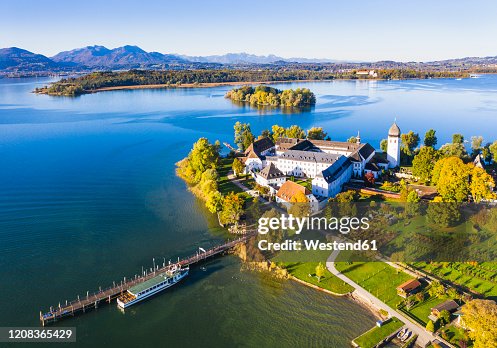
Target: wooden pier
82,304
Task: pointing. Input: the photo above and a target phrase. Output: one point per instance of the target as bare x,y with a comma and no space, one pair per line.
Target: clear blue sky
349,30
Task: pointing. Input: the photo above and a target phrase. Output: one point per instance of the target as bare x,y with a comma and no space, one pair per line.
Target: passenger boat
152,286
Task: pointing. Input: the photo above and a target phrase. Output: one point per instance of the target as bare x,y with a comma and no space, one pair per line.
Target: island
268,96
133,79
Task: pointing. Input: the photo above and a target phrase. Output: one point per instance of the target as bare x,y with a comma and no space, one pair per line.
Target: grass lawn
455,335
378,334
423,310
302,270
378,278
225,185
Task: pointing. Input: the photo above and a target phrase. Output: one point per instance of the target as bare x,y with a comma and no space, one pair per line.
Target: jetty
92,301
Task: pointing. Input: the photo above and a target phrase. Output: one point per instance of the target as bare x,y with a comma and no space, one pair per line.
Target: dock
92,301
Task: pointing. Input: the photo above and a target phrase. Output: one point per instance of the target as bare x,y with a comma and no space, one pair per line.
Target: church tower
393,148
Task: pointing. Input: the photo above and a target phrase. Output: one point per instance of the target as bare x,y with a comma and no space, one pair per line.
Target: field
378,334
224,184
378,278
466,275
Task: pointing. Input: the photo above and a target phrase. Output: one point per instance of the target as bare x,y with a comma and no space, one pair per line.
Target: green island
268,96
110,80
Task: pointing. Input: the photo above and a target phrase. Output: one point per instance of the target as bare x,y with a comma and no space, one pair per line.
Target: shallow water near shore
88,195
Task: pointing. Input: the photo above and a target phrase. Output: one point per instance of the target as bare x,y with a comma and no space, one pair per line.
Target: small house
408,288
450,305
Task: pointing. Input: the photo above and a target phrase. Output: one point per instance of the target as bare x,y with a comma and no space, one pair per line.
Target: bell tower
393,148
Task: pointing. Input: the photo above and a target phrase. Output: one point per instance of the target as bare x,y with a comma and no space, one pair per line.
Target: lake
88,195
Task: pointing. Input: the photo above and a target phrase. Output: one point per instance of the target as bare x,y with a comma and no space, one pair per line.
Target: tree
420,296
436,289
444,316
232,208
320,271
493,150
384,145
476,143
424,162
482,185
237,167
345,197
409,142
203,156
457,138
295,132
457,150
413,197
299,197
479,317
266,133
430,138
316,133
352,140
369,179
430,326
243,135
452,181
278,132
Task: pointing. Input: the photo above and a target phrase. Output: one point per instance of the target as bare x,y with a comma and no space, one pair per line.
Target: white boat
401,333
152,286
406,336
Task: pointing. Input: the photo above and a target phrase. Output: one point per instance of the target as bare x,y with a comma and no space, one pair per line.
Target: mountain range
18,61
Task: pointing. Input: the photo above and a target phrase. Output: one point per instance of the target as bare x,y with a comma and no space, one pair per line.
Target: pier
90,301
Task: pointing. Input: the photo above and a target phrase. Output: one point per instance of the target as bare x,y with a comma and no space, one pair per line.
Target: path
424,337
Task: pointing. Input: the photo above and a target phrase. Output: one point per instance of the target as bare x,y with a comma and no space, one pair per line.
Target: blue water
88,195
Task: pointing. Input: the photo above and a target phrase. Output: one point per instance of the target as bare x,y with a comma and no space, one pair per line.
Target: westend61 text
293,245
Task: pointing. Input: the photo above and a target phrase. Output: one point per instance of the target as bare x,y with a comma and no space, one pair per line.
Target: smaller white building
330,181
255,155
270,177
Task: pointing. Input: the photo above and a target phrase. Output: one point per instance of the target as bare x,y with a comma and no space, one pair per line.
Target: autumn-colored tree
493,150
482,185
369,179
316,133
320,271
452,179
237,167
202,157
345,197
476,144
352,140
232,208
480,317
299,197
430,326
278,132
295,132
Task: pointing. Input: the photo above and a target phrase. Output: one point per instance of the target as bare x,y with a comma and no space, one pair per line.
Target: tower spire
358,137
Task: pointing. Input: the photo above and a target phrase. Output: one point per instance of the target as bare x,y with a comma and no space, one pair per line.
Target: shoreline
233,83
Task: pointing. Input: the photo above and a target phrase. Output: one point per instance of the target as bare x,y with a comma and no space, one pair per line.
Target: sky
344,30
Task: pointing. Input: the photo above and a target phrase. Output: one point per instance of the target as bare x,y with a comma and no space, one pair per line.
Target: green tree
450,150
444,317
424,162
320,271
430,326
352,140
476,144
457,138
316,133
295,132
237,167
266,133
243,135
410,141
430,138
479,317
384,145
493,150
203,156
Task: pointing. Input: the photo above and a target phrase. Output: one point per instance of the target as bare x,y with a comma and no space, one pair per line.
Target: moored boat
152,286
